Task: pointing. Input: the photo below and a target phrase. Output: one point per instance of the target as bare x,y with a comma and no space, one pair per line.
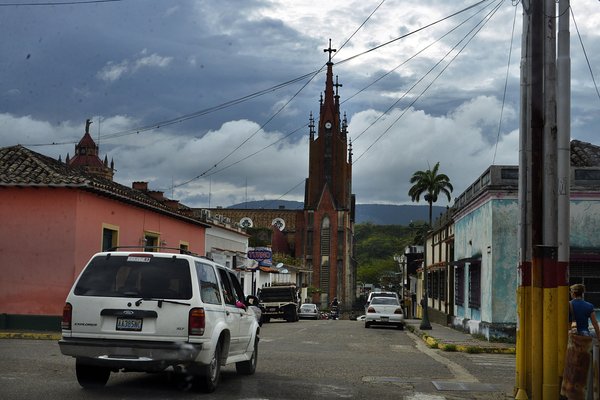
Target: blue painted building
473,261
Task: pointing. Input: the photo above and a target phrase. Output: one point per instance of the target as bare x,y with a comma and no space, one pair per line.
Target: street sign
261,254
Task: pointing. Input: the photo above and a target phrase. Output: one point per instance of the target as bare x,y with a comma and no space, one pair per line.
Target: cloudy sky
210,100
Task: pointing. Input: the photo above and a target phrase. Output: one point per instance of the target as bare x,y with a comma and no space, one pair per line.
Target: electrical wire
403,63
433,81
386,74
505,86
585,53
58,3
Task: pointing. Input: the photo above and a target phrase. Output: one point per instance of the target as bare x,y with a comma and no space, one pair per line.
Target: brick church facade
320,236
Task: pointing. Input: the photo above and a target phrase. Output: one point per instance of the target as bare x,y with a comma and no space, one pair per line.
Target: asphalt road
303,360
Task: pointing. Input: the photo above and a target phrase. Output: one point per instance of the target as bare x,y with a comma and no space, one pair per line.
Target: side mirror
239,304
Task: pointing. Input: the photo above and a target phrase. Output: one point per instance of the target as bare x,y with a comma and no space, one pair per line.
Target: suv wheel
212,372
90,376
248,367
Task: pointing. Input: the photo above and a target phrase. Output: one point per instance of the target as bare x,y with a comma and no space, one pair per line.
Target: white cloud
210,53
111,72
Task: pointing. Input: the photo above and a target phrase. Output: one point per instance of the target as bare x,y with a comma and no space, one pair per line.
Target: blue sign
261,254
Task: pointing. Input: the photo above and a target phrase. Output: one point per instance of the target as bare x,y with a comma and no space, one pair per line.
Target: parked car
148,311
309,311
384,311
382,294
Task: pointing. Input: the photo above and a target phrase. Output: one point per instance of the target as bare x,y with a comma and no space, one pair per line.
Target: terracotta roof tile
584,154
20,166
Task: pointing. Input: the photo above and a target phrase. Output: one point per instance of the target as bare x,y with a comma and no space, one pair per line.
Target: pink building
55,216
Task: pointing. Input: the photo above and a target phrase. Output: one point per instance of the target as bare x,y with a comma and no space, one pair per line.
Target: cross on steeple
330,50
337,85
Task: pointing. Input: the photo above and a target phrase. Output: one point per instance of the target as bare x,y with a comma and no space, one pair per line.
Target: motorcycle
334,313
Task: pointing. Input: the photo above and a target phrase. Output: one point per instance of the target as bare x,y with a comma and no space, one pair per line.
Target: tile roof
584,154
22,167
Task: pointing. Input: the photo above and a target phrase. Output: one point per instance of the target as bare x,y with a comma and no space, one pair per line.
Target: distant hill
377,214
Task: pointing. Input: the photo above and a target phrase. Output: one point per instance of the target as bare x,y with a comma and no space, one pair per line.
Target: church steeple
328,223
328,158
329,107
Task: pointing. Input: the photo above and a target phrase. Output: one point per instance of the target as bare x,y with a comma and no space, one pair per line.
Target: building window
150,241
475,285
110,237
443,286
325,253
184,247
588,273
459,285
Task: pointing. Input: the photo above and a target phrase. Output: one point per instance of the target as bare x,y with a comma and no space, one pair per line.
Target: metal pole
523,374
550,216
536,202
563,123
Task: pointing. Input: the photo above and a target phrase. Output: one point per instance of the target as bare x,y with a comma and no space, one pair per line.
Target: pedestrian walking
576,375
581,312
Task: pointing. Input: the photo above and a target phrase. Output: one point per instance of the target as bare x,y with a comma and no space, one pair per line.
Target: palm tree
429,184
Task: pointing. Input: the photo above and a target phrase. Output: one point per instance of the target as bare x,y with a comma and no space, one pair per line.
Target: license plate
385,318
129,324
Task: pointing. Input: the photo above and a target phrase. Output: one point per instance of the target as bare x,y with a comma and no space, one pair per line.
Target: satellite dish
279,265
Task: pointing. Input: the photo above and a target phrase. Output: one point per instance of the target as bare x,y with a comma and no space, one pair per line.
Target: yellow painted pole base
521,395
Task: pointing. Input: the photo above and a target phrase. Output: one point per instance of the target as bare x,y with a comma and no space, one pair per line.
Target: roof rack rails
146,248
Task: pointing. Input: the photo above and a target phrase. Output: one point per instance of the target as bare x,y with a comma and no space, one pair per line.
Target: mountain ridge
377,214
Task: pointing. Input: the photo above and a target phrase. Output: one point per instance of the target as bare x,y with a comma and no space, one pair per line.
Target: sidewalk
448,339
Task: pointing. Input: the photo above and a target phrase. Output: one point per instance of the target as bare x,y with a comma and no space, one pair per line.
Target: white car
149,311
381,294
384,311
309,311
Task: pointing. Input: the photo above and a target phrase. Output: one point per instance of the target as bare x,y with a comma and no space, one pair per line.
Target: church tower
328,217
86,156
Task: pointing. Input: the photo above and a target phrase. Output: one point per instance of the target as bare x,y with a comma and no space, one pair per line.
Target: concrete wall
489,231
585,223
47,236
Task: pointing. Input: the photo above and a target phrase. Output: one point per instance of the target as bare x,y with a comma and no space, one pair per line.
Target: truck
279,302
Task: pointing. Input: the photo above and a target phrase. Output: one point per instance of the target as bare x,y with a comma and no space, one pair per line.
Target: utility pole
542,291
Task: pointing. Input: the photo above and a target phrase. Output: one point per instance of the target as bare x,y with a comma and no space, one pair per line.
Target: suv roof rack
145,248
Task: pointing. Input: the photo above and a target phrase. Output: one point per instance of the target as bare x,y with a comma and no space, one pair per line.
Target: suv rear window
139,275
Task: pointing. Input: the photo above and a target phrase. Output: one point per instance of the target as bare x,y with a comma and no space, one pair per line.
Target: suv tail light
371,310
196,322
67,317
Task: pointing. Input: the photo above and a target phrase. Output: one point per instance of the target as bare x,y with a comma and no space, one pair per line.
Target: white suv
148,311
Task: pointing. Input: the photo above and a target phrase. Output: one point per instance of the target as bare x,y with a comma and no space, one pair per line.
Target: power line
585,53
433,81
401,64
505,85
462,23
59,3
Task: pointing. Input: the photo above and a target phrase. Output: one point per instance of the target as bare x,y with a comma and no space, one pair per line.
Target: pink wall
47,235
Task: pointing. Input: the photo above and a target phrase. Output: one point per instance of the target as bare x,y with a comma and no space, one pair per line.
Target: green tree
430,184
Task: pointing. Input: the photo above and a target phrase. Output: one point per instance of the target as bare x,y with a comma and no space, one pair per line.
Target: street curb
434,343
31,335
